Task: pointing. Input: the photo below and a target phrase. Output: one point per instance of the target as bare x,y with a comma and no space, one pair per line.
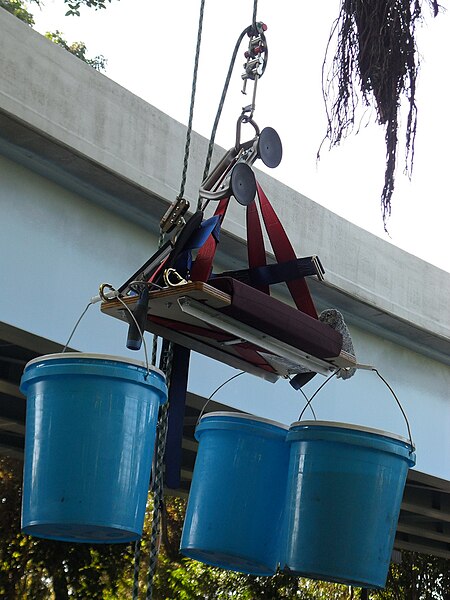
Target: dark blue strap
177,404
275,273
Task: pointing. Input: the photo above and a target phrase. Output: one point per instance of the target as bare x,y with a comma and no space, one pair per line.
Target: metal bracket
173,217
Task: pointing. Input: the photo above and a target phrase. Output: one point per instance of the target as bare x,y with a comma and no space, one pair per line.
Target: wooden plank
159,301
170,304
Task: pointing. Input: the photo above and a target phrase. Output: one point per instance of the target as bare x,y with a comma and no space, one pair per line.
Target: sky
150,47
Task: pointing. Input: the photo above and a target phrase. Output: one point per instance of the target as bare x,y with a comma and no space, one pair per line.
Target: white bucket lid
363,428
89,356
245,416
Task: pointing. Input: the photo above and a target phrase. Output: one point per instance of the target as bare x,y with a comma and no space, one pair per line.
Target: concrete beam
127,156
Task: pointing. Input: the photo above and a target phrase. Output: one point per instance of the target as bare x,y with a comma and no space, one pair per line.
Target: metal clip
168,273
256,62
173,217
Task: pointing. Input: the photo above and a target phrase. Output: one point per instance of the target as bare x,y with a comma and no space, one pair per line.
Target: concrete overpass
87,169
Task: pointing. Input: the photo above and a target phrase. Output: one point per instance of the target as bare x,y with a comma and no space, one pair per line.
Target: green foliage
75,5
419,577
18,9
78,49
44,570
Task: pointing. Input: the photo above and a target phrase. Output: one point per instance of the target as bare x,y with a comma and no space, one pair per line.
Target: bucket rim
246,416
94,356
354,427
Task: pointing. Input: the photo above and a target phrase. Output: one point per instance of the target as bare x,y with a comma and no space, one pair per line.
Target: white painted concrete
49,90
56,248
57,245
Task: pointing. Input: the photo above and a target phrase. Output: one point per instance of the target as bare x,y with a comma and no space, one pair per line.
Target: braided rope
255,10
220,108
191,108
166,363
158,487
137,546
212,138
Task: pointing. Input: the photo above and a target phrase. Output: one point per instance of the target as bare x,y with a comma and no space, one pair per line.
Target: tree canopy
43,569
19,9
75,5
78,49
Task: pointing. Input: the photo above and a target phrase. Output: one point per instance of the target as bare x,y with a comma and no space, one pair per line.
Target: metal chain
158,487
137,562
137,546
191,108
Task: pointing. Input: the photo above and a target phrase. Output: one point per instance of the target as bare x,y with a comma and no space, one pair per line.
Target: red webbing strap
256,251
283,252
201,269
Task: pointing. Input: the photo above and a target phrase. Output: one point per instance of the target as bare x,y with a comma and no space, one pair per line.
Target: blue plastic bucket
345,487
90,434
234,513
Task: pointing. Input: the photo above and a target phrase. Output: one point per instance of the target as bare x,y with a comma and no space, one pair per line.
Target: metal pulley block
256,54
233,174
173,218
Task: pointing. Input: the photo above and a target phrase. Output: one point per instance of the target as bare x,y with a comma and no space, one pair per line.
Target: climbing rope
191,108
166,366
222,102
250,31
255,10
167,348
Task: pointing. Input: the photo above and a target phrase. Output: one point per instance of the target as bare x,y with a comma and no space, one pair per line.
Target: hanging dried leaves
375,64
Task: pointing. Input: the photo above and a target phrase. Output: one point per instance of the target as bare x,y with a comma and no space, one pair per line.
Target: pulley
233,174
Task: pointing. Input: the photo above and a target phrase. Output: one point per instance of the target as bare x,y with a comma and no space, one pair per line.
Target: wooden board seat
240,326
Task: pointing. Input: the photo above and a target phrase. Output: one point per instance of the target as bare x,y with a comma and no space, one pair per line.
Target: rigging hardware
256,56
233,175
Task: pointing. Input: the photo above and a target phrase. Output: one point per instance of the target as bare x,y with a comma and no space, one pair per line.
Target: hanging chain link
166,362
167,367
158,484
137,563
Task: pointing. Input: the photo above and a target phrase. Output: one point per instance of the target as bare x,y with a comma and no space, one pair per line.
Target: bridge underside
424,524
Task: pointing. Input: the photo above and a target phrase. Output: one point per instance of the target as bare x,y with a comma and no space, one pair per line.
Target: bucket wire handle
366,368
308,403
399,405
76,324
214,393
130,312
104,295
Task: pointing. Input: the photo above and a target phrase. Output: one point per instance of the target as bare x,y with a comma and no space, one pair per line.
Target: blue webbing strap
177,403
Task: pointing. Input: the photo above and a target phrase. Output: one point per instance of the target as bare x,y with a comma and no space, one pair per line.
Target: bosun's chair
230,317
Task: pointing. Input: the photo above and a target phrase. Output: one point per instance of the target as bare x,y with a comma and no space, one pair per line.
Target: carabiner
173,272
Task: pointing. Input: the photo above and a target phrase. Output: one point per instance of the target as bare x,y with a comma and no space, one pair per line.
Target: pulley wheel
243,184
270,150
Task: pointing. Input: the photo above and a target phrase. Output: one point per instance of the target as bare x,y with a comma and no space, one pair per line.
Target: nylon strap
284,251
255,243
268,275
202,266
